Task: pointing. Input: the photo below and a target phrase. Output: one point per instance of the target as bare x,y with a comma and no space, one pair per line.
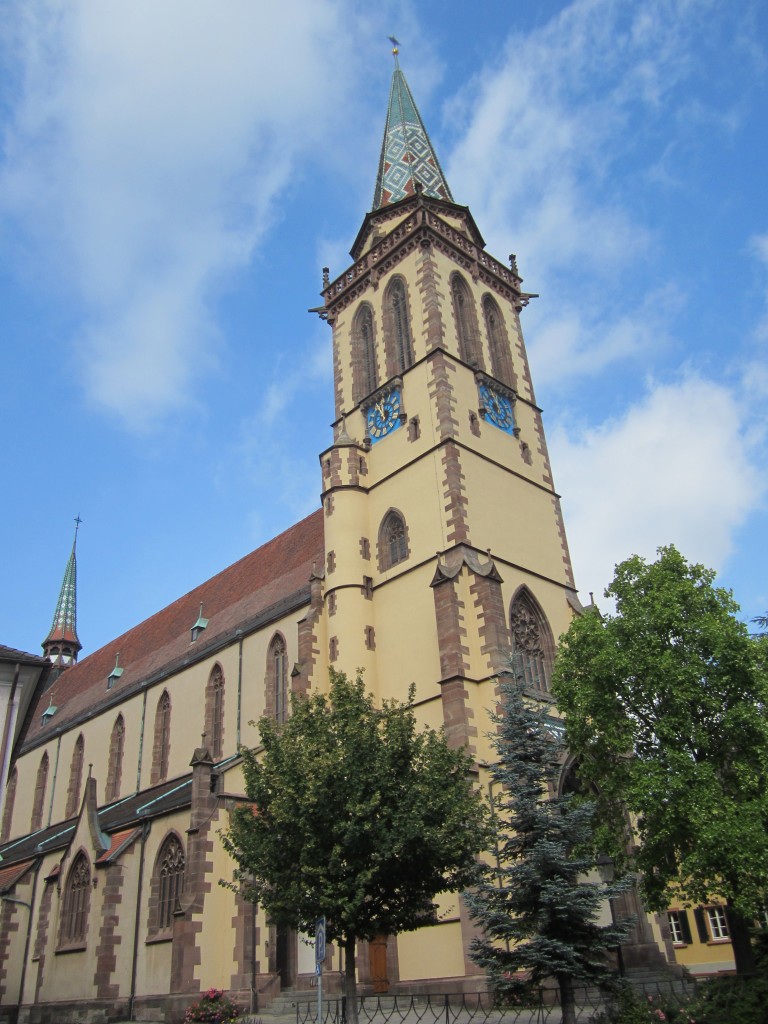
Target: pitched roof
9,876
269,581
11,654
64,625
407,155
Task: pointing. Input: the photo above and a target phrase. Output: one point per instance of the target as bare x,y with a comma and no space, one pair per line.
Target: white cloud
147,147
677,468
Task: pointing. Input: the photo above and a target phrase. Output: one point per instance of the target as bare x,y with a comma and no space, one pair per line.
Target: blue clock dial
383,415
498,408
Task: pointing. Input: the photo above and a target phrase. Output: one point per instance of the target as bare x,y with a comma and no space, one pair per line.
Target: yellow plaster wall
431,953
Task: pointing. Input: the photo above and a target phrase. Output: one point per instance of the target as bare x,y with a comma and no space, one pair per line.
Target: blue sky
174,176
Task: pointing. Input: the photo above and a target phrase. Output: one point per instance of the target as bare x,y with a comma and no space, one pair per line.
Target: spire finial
395,49
62,645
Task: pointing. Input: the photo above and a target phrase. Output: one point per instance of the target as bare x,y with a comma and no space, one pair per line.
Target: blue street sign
320,940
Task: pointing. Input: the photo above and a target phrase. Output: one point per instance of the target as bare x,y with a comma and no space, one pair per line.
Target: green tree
358,816
537,910
665,705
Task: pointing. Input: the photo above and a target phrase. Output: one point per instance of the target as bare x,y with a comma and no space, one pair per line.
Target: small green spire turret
62,644
407,155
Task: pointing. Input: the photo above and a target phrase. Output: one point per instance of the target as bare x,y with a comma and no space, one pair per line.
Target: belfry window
401,343
364,375
531,643
393,540
466,327
498,343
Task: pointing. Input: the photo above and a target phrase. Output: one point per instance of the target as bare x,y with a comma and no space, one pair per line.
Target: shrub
215,1007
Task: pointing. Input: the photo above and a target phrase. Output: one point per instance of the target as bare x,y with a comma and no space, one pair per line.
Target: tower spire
62,645
407,155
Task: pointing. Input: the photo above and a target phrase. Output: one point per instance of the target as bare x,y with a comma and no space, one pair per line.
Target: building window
277,678
718,925
10,800
393,540
498,342
74,915
214,712
115,769
169,882
75,778
466,321
532,645
364,376
39,801
397,329
162,745
679,927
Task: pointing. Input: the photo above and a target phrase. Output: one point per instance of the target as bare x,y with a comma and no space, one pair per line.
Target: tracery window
214,712
169,871
364,375
10,800
162,746
75,778
466,321
393,540
115,768
277,678
39,800
74,915
498,342
531,643
397,329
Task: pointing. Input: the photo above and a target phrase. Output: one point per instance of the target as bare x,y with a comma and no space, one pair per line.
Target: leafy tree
665,704
357,815
537,912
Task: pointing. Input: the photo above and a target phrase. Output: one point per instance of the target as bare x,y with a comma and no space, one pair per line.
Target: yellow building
439,546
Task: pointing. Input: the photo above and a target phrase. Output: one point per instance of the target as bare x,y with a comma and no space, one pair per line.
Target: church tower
446,555
445,545
62,646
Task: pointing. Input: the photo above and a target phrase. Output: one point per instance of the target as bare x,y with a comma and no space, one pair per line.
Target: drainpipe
145,829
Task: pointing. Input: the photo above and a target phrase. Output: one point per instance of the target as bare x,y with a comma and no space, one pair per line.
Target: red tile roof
273,573
118,842
9,876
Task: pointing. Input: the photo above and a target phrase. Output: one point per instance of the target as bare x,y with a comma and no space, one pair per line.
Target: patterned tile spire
62,645
407,155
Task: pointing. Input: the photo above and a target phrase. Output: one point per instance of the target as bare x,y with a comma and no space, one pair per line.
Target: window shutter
685,926
701,924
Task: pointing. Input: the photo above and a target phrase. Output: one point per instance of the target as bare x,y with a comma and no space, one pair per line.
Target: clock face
498,409
384,415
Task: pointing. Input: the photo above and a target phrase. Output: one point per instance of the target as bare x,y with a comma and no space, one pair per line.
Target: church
438,548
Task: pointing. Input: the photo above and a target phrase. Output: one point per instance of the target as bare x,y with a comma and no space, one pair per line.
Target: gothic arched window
214,712
397,329
277,678
532,646
162,746
393,540
466,321
364,376
74,914
167,884
39,800
10,800
498,342
75,778
115,768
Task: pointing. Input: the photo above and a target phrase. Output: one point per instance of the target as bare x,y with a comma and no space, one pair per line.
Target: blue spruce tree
538,913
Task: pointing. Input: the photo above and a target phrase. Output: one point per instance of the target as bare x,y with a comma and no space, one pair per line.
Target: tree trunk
567,999
350,979
741,940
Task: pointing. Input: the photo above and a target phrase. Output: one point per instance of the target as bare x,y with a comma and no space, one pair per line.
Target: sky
174,176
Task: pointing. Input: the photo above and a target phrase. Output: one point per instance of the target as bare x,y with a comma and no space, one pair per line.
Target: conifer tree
538,914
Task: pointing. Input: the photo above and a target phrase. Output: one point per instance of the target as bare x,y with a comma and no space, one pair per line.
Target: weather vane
395,48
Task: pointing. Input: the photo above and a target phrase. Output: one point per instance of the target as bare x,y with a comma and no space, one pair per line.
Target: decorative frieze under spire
62,645
407,155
